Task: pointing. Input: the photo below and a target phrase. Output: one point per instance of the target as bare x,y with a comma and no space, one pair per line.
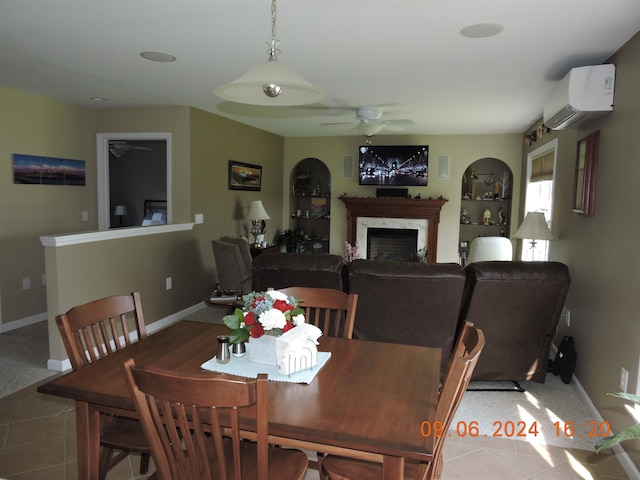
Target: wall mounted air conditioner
583,94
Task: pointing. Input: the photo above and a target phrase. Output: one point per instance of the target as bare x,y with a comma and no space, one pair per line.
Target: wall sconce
120,211
258,215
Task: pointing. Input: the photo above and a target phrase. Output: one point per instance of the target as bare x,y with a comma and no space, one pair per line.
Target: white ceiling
406,56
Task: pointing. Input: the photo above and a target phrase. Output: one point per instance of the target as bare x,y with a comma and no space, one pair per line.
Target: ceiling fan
119,147
369,122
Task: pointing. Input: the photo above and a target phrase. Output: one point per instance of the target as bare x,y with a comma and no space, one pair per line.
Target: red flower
288,326
257,331
282,305
250,319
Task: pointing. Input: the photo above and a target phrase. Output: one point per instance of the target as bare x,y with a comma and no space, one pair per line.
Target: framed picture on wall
584,190
244,176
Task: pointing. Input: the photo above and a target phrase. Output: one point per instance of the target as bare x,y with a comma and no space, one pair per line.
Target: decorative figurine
486,217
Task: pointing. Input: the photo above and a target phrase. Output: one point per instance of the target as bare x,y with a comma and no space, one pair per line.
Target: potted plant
294,239
628,434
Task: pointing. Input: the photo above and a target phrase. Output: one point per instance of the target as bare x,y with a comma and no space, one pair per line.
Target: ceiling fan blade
399,121
136,147
393,127
337,123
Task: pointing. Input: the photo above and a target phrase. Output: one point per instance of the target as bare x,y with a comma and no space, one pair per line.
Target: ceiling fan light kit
271,83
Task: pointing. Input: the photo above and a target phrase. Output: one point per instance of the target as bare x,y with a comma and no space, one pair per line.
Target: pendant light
271,82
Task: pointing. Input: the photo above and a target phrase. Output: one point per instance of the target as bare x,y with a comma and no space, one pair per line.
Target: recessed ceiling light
158,57
98,99
481,30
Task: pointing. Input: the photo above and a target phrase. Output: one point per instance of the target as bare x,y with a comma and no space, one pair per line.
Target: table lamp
120,211
534,227
257,214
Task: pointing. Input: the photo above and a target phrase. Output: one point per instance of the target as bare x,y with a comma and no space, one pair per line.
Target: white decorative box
263,350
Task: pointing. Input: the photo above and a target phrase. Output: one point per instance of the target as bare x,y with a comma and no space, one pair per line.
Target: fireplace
397,213
392,244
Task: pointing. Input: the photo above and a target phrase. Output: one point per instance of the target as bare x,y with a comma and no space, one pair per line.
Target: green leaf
239,335
234,320
628,434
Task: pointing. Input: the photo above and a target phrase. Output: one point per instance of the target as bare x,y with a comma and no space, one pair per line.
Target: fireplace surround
396,208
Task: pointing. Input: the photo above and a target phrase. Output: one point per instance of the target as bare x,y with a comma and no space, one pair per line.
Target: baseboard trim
622,456
23,322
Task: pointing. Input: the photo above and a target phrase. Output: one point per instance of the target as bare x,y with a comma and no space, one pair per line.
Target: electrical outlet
44,280
26,283
624,378
168,283
85,216
567,318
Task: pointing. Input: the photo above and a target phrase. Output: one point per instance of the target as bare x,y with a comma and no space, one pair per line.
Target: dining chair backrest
193,424
466,353
96,329
332,311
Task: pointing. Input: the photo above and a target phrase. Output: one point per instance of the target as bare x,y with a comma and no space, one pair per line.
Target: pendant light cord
273,44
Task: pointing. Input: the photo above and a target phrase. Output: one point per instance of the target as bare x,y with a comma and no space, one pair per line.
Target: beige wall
121,266
35,125
463,149
215,141
600,250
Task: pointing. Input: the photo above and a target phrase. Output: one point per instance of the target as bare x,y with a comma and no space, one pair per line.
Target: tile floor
37,442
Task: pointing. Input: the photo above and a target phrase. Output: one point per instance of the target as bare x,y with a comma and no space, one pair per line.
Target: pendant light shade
271,83
259,86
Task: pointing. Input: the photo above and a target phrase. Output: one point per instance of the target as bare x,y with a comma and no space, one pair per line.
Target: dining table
367,401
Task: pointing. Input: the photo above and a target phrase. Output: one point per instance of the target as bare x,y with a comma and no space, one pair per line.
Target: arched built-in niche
487,189
310,186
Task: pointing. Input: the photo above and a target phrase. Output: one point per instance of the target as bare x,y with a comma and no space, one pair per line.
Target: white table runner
244,368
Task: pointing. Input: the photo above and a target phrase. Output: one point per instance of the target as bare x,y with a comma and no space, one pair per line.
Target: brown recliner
407,302
517,305
282,270
231,267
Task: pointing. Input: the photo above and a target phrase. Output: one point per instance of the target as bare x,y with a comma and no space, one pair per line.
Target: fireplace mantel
428,209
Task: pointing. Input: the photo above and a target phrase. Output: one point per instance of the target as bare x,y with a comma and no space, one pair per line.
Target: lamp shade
120,210
534,227
271,76
257,211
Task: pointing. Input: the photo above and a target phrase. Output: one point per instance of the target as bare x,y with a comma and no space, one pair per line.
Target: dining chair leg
106,456
321,473
144,463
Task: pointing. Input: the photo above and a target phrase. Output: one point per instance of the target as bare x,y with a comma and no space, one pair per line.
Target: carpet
542,414
24,353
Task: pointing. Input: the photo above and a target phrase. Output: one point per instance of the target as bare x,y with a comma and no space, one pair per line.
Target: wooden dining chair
332,311
193,426
90,332
463,360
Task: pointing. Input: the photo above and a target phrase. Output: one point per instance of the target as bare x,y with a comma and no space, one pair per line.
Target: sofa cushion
517,305
407,302
282,270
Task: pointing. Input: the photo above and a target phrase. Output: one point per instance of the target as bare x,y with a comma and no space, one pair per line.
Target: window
541,165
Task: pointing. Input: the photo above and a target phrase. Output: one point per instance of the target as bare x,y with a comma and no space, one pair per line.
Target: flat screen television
393,165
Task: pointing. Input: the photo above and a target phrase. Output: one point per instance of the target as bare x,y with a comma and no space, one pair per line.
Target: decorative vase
263,350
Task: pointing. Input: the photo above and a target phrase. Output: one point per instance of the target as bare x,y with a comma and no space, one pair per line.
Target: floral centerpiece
263,313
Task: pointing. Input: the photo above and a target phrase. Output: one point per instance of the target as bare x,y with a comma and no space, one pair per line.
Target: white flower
277,295
272,319
298,319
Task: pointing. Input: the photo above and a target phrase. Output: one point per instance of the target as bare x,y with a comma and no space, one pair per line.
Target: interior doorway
134,179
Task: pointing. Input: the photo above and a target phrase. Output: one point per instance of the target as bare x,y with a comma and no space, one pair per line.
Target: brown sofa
517,305
407,302
282,270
